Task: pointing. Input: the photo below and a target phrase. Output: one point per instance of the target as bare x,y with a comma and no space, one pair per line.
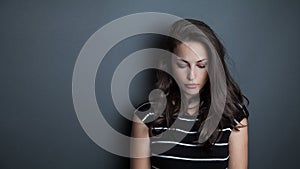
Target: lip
192,86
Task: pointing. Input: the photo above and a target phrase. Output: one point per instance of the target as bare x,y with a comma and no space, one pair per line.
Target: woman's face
189,67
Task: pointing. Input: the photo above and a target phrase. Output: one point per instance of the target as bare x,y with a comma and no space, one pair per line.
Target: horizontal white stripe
220,144
180,118
184,131
174,142
175,129
191,159
185,144
226,129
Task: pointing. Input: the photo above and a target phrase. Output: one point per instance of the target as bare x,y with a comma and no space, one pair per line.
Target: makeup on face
189,67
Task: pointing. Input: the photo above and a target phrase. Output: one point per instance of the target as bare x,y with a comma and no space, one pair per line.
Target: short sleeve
145,113
240,116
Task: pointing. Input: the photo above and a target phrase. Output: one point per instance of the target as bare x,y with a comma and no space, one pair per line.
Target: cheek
203,76
178,74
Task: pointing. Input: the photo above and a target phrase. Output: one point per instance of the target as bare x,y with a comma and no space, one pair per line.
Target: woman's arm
238,147
139,149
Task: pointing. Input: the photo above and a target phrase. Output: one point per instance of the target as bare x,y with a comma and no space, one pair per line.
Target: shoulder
242,123
145,113
240,118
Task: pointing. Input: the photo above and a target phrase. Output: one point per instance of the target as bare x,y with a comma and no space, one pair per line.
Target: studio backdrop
42,41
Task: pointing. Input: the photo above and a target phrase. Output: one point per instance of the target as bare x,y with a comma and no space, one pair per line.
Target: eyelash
181,66
201,66
184,66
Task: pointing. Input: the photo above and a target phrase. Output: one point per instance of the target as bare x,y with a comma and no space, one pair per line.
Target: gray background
40,41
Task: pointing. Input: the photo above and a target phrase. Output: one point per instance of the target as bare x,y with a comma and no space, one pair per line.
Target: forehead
190,51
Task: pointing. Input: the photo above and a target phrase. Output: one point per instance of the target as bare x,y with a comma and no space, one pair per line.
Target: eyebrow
188,62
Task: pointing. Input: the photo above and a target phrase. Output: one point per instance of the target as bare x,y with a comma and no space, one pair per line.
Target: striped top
175,148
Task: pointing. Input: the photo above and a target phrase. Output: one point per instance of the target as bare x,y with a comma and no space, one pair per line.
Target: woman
186,116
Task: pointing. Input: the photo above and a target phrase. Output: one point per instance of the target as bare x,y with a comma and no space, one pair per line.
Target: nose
191,74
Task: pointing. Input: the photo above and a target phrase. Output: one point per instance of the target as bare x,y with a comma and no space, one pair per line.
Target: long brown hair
234,110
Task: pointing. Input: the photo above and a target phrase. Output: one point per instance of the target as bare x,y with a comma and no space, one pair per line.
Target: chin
192,92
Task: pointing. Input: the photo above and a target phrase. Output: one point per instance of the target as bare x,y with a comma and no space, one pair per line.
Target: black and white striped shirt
182,151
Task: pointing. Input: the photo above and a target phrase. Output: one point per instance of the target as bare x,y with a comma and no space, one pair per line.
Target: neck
193,104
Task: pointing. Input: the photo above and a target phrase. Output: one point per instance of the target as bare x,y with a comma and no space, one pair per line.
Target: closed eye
182,65
201,66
